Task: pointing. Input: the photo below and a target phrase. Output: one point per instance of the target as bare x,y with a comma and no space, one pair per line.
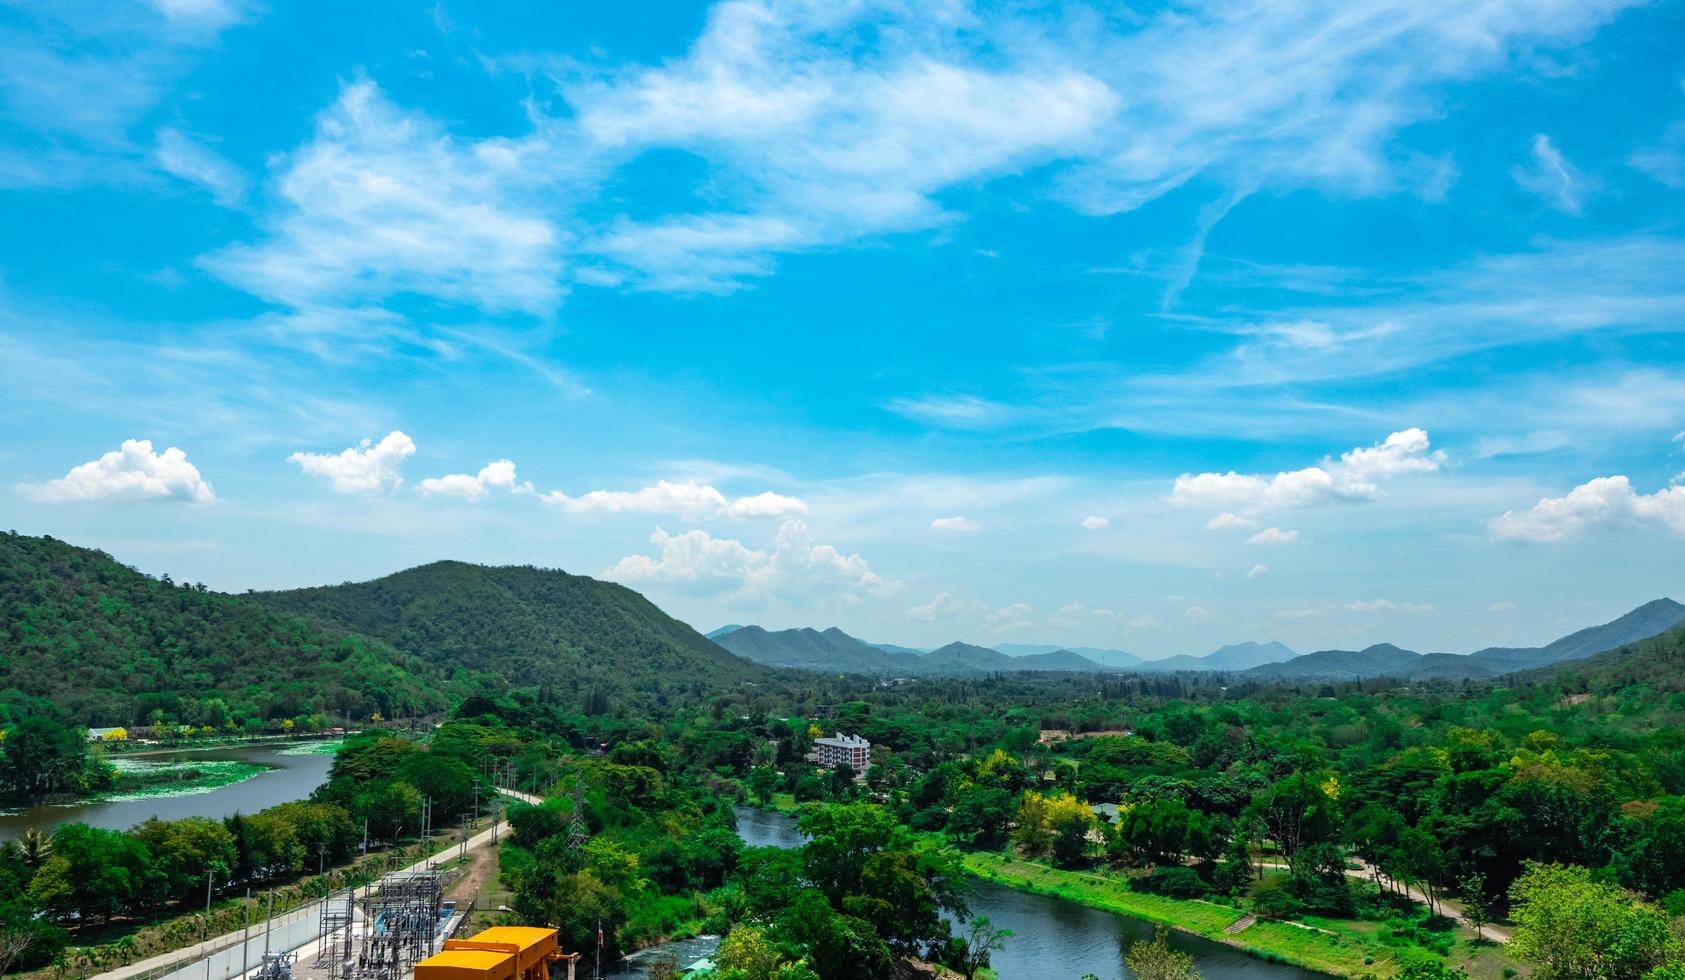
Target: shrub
1176,882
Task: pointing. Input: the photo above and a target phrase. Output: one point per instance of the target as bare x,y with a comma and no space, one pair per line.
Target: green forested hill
1655,665
527,627
111,646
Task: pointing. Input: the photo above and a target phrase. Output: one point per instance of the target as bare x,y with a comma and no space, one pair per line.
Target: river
287,777
1055,938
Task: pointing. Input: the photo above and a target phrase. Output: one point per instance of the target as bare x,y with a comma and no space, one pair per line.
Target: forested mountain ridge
1656,664
110,646
525,626
834,652
1386,660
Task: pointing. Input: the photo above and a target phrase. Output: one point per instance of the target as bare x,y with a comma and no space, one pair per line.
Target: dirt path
482,867
1368,873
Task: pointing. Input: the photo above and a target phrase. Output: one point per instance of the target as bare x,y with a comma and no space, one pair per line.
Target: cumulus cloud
132,472
1552,177
955,523
1501,607
1388,605
496,475
1355,477
1227,520
367,467
689,500
1143,622
1006,619
1608,501
1094,522
1273,535
1198,615
795,568
1076,613
1258,571
944,606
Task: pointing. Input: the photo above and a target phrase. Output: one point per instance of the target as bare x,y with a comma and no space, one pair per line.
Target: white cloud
1076,613
1143,622
364,468
496,475
382,202
1273,535
1007,619
1094,522
689,499
196,163
1664,162
1227,520
1198,615
1608,501
203,14
1355,476
944,606
1292,615
795,569
1501,607
1388,605
955,523
1552,177
953,411
1258,571
133,472
806,141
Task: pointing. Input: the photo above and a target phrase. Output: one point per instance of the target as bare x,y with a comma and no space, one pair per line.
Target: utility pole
210,876
269,923
246,936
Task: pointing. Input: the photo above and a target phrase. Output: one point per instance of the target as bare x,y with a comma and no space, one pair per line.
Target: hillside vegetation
527,627
109,646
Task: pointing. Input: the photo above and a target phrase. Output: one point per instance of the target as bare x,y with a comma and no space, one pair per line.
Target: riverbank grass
1326,951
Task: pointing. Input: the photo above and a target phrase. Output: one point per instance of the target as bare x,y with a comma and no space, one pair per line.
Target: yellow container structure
499,953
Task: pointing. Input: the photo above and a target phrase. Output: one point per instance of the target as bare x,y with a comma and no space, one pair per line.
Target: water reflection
288,777
1055,938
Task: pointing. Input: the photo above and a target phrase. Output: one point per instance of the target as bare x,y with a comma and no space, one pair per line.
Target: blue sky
1154,328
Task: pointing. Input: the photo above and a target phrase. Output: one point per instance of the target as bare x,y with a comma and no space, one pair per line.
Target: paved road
189,961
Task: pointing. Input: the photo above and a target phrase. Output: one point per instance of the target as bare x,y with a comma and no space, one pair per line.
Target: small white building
836,750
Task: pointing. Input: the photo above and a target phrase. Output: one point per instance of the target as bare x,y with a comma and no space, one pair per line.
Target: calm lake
289,776
1052,937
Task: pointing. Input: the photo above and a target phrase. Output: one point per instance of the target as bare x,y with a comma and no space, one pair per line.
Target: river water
288,777
1055,938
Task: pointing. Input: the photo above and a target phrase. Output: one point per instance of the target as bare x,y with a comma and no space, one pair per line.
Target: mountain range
1385,660
833,651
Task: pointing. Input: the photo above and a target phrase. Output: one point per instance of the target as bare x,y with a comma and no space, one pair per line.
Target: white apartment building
835,750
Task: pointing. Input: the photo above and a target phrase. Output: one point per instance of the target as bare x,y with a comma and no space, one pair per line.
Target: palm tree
34,847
